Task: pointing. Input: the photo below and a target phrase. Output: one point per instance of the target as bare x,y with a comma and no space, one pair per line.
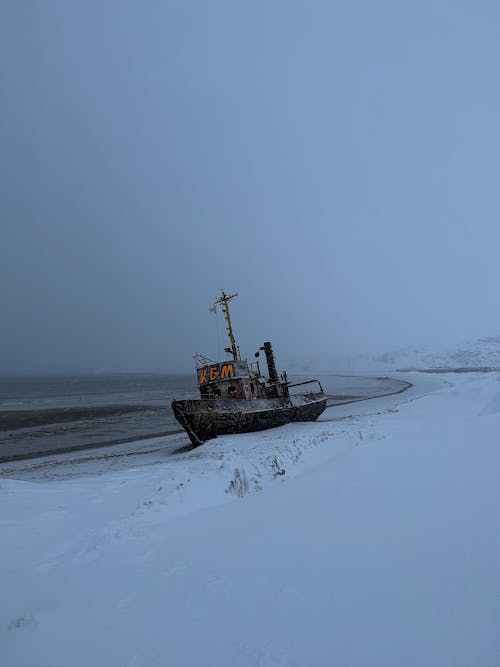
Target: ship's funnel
271,364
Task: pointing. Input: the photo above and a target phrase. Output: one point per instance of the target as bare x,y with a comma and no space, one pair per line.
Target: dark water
40,414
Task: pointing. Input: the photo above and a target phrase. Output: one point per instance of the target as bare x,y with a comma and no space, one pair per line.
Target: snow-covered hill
484,352
480,353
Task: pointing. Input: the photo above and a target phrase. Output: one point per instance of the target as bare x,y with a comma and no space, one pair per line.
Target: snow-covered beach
222,216
372,539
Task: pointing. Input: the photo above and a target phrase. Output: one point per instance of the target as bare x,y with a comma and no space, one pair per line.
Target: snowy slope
480,353
484,352
372,540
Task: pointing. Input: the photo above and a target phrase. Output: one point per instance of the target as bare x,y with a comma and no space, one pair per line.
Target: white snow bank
372,540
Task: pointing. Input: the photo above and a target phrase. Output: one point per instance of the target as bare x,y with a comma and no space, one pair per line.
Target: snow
481,353
370,538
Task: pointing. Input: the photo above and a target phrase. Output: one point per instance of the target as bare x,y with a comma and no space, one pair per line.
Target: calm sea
45,414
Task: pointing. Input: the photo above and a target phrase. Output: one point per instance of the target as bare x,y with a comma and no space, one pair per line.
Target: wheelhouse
230,379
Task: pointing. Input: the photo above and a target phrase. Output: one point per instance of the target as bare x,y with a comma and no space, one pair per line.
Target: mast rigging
223,302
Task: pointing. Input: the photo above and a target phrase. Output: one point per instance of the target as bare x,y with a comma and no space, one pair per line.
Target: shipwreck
235,397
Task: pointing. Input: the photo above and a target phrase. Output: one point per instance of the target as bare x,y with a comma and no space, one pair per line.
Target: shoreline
336,400
77,448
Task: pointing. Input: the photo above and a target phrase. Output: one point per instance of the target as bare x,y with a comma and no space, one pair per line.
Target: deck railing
300,384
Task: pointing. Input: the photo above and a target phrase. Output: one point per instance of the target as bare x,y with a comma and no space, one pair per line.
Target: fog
337,164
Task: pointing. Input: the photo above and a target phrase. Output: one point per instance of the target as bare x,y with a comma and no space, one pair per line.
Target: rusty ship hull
204,419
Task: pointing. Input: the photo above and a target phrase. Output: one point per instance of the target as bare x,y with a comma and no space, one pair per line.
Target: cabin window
231,389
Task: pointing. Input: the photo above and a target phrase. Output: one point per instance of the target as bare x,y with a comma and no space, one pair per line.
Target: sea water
45,414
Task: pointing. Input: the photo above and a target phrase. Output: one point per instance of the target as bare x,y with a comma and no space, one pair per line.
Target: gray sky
336,163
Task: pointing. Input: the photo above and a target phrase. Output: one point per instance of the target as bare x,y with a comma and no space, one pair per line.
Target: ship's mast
223,301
